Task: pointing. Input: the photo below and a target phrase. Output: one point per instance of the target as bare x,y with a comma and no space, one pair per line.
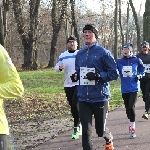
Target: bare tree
28,37
137,25
120,22
146,22
4,8
74,23
59,8
116,30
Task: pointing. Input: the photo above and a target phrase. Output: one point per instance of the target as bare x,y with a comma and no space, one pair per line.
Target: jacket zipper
86,66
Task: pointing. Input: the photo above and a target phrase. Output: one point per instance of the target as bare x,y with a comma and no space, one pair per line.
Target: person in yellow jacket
10,87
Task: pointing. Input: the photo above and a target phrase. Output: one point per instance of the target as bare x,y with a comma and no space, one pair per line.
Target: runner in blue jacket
95,67
131,69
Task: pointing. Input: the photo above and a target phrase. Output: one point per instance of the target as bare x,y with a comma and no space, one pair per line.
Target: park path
117,122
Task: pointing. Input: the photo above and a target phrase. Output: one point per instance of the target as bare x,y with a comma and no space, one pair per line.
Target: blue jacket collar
89,46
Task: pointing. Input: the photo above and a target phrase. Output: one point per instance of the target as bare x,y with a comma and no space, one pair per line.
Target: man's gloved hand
74,77
92,76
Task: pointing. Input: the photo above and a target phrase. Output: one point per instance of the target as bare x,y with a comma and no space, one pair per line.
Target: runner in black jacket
145,81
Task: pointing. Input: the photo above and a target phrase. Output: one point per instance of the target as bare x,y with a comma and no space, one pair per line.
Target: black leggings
147,91
143,83
145,88
3,142
130,100
71,94
99,110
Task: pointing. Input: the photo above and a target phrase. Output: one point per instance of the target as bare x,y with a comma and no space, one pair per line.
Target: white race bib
83,77
127,71
147,68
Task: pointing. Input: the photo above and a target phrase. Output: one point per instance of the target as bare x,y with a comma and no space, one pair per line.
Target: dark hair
91,27
72,37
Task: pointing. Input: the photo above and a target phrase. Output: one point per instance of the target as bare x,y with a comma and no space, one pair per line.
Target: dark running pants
143,83
148,97
3,142
99,110
130,100
145,88
71,94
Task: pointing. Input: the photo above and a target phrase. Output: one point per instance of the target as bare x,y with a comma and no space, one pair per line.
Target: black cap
146,44
129,46
72,37
92,28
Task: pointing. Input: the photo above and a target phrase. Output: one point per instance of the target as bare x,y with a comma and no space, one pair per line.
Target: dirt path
118,125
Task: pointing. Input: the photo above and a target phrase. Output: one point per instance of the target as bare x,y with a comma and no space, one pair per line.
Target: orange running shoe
109,146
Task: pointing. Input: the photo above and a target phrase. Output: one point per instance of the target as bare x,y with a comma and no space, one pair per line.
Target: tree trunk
28,37
56,24
146,22
74,23
116,31
137,26
121,30
3,21
53,49
127,29
1,27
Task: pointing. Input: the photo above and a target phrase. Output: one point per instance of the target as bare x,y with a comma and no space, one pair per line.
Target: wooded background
34,32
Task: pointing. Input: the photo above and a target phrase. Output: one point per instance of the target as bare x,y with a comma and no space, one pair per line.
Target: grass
48,83
116,98
42,82
44,99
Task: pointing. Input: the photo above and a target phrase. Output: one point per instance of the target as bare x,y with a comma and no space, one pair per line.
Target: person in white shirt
66,62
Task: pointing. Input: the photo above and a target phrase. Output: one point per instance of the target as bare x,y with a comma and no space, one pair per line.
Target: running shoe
109,146
132,133
145,116
75,135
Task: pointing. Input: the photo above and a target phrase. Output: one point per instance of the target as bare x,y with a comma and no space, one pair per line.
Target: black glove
73,78
92,76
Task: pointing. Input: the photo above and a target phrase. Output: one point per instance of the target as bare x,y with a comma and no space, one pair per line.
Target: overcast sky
95,6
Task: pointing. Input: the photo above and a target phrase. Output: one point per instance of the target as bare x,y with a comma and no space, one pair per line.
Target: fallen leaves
35,119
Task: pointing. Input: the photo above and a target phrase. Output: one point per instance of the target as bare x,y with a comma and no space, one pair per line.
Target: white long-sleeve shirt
68,60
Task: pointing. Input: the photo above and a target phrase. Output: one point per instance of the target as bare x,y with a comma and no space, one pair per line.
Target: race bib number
127,71
83,77
147,68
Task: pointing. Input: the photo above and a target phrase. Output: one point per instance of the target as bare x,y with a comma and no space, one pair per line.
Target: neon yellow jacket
10,86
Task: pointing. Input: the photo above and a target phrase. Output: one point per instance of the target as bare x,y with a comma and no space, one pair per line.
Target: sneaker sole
132,136
144,117
75,138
